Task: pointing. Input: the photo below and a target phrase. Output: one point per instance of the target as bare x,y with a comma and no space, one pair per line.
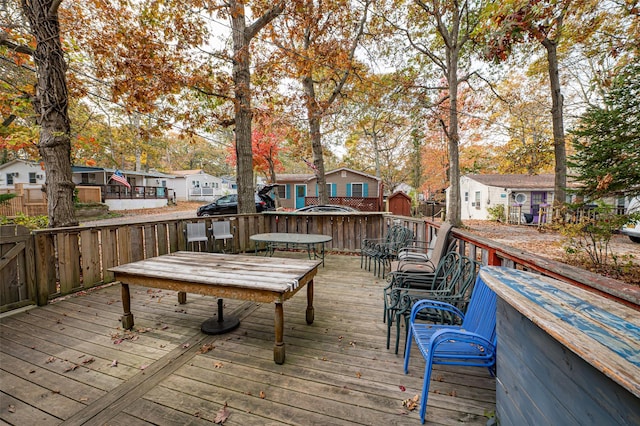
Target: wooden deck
71,363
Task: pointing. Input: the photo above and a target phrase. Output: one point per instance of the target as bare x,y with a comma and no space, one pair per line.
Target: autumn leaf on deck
358,374
114,363
262,394
88,361
222,415
411,403
12,408
70,368
206,348
217,365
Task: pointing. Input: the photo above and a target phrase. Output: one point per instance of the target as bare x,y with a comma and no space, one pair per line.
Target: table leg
278,348
220,324
310,312
127,318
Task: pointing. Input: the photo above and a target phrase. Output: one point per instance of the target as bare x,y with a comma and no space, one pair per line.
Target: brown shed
400,204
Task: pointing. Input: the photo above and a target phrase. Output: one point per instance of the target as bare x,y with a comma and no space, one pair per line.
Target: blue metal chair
473,343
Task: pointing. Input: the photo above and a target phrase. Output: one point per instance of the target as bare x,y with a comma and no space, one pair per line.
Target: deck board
337,370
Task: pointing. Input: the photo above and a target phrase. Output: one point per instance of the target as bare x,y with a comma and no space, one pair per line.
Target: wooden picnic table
252,278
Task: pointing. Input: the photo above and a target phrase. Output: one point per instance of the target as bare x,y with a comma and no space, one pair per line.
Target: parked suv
632,229
228,204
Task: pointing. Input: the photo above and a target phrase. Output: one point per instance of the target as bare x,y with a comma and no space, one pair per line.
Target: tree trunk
453,202
314,118
560,183
50,105
242,106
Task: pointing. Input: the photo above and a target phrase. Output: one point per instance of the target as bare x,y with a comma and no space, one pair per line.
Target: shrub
588,240
4,198
497,213
31,222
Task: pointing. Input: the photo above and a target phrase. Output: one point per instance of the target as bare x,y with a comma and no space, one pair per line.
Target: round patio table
286,240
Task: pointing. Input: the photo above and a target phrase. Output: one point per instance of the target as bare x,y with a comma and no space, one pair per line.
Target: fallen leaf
262,395
217,365
70,368
114,363
222,415
12,408
206,348
358,374
402,388
118,341
88,361
164,327
32,371
50,359
186,345
411,403
143,367
83,399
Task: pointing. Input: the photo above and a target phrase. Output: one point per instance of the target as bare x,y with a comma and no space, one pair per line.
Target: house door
537,198
301,192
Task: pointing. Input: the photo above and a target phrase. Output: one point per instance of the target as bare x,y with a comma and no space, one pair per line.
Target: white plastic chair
196,233
221,230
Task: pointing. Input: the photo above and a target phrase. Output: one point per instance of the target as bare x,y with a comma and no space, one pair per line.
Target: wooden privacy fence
89,194
17,270
28,201
71,259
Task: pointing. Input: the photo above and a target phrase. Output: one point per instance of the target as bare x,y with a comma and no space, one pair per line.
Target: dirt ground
543,242
550,244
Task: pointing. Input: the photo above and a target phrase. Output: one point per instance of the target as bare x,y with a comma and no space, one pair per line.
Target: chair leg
425,387
398,315
407,349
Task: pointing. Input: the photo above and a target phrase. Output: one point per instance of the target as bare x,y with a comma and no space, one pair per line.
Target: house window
195,183
32,177
84,177
9,178
329,190
356,190
477,202
466,197
282,191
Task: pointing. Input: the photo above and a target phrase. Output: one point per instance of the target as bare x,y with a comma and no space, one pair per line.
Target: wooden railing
121,192
68,260
363,204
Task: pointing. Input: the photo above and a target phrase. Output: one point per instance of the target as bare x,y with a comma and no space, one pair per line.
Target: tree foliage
318,42
607,144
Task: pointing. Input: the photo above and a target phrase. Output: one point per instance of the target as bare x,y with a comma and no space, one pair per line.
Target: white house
30,173
197,185
521,195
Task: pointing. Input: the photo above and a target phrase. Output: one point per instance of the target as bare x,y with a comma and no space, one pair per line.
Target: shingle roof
297,177
517,181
